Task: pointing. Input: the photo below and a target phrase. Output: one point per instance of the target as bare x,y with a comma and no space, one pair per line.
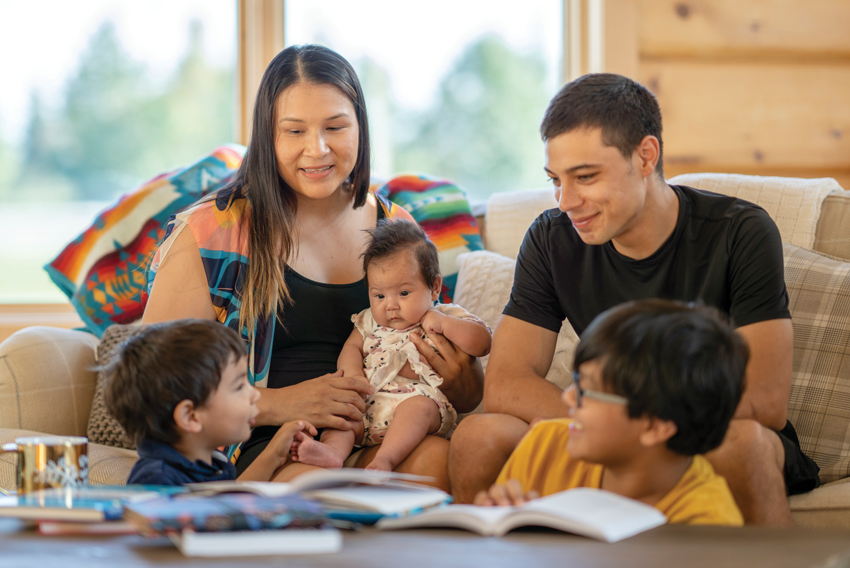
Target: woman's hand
330,401
463,379
508,495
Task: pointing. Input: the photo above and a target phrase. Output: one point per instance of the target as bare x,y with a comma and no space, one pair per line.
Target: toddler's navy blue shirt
160,464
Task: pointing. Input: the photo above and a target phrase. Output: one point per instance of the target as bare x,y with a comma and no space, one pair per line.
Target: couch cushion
484,287
827,507
102,427
793,203
47,381
103,271
819,406
832,237
107,466
510,214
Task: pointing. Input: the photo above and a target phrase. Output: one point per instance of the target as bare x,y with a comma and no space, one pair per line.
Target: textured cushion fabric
793,203
832,237
47,381
827,507
819,406
510,214
102,427
483,288
103,270
107,466
442,210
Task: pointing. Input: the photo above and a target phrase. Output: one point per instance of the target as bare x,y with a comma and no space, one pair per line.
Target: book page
481,520
382,499
594,512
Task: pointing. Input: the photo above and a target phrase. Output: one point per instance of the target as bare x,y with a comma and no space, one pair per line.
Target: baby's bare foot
380,463
313,452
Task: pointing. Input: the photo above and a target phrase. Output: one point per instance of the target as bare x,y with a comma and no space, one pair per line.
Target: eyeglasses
595,395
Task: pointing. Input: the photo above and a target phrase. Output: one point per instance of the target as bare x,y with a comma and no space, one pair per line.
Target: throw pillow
102,427
484,287
442,210
819,406
103,270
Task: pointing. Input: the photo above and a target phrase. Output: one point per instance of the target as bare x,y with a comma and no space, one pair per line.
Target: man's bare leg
752,459
413,419
480,446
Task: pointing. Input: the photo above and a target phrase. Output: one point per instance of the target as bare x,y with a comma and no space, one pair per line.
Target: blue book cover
94,503
224,513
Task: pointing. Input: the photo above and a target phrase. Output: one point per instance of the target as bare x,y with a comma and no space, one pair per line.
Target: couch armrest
47,380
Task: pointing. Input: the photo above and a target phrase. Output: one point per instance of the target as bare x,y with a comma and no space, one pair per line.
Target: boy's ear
657,432
185,417
436,288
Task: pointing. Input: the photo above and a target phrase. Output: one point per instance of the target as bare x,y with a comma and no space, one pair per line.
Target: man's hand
463,379
508,495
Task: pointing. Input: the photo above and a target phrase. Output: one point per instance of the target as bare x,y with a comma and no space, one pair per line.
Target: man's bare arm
768,382
516,382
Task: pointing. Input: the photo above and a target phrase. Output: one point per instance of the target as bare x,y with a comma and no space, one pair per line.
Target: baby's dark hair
675,361
392,236
163,364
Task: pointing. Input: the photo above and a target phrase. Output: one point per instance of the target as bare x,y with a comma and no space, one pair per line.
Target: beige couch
46,381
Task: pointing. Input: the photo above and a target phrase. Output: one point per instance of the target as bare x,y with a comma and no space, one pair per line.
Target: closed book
224,513
95,503
58,528
588,512
322,540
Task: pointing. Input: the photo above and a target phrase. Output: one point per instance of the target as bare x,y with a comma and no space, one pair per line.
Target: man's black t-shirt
724,251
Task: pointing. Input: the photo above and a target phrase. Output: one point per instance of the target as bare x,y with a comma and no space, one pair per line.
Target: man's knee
750,445
485,433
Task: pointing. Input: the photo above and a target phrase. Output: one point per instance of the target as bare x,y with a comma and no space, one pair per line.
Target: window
107,94
454,88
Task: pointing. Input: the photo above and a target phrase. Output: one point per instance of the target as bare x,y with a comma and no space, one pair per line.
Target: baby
403,279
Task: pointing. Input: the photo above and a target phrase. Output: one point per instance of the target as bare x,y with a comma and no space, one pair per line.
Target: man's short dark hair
392,236
671,360
625,110
163,364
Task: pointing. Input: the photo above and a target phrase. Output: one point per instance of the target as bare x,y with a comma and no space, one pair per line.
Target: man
621,233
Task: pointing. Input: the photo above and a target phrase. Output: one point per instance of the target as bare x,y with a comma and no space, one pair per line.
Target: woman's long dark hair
272,202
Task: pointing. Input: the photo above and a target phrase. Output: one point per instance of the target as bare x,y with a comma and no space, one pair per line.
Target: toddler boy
181,390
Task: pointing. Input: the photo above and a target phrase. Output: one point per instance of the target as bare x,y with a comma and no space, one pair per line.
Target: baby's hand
509,494
281,444
432,321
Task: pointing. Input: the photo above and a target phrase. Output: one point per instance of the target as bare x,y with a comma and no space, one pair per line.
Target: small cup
50,461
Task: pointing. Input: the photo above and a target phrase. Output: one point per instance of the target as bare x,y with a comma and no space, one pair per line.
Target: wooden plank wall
745,86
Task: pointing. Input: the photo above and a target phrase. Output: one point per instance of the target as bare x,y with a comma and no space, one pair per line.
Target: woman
276,255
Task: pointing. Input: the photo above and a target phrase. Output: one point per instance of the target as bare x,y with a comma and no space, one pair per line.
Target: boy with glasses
655,386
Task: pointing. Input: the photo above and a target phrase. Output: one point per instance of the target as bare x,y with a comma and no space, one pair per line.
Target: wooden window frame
261,36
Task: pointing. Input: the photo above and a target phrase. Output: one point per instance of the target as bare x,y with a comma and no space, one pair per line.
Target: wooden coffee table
661,547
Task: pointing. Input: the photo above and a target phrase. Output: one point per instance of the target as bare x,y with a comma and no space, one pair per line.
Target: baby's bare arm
350,360
471,337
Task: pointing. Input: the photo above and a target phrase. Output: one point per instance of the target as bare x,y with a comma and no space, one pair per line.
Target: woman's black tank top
315,327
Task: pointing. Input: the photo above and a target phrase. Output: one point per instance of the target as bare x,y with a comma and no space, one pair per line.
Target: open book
345,492
589,512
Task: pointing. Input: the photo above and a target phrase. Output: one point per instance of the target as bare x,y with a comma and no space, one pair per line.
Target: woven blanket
103,270
441,208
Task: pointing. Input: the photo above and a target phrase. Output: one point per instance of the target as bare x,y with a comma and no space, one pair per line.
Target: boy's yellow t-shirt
541,462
